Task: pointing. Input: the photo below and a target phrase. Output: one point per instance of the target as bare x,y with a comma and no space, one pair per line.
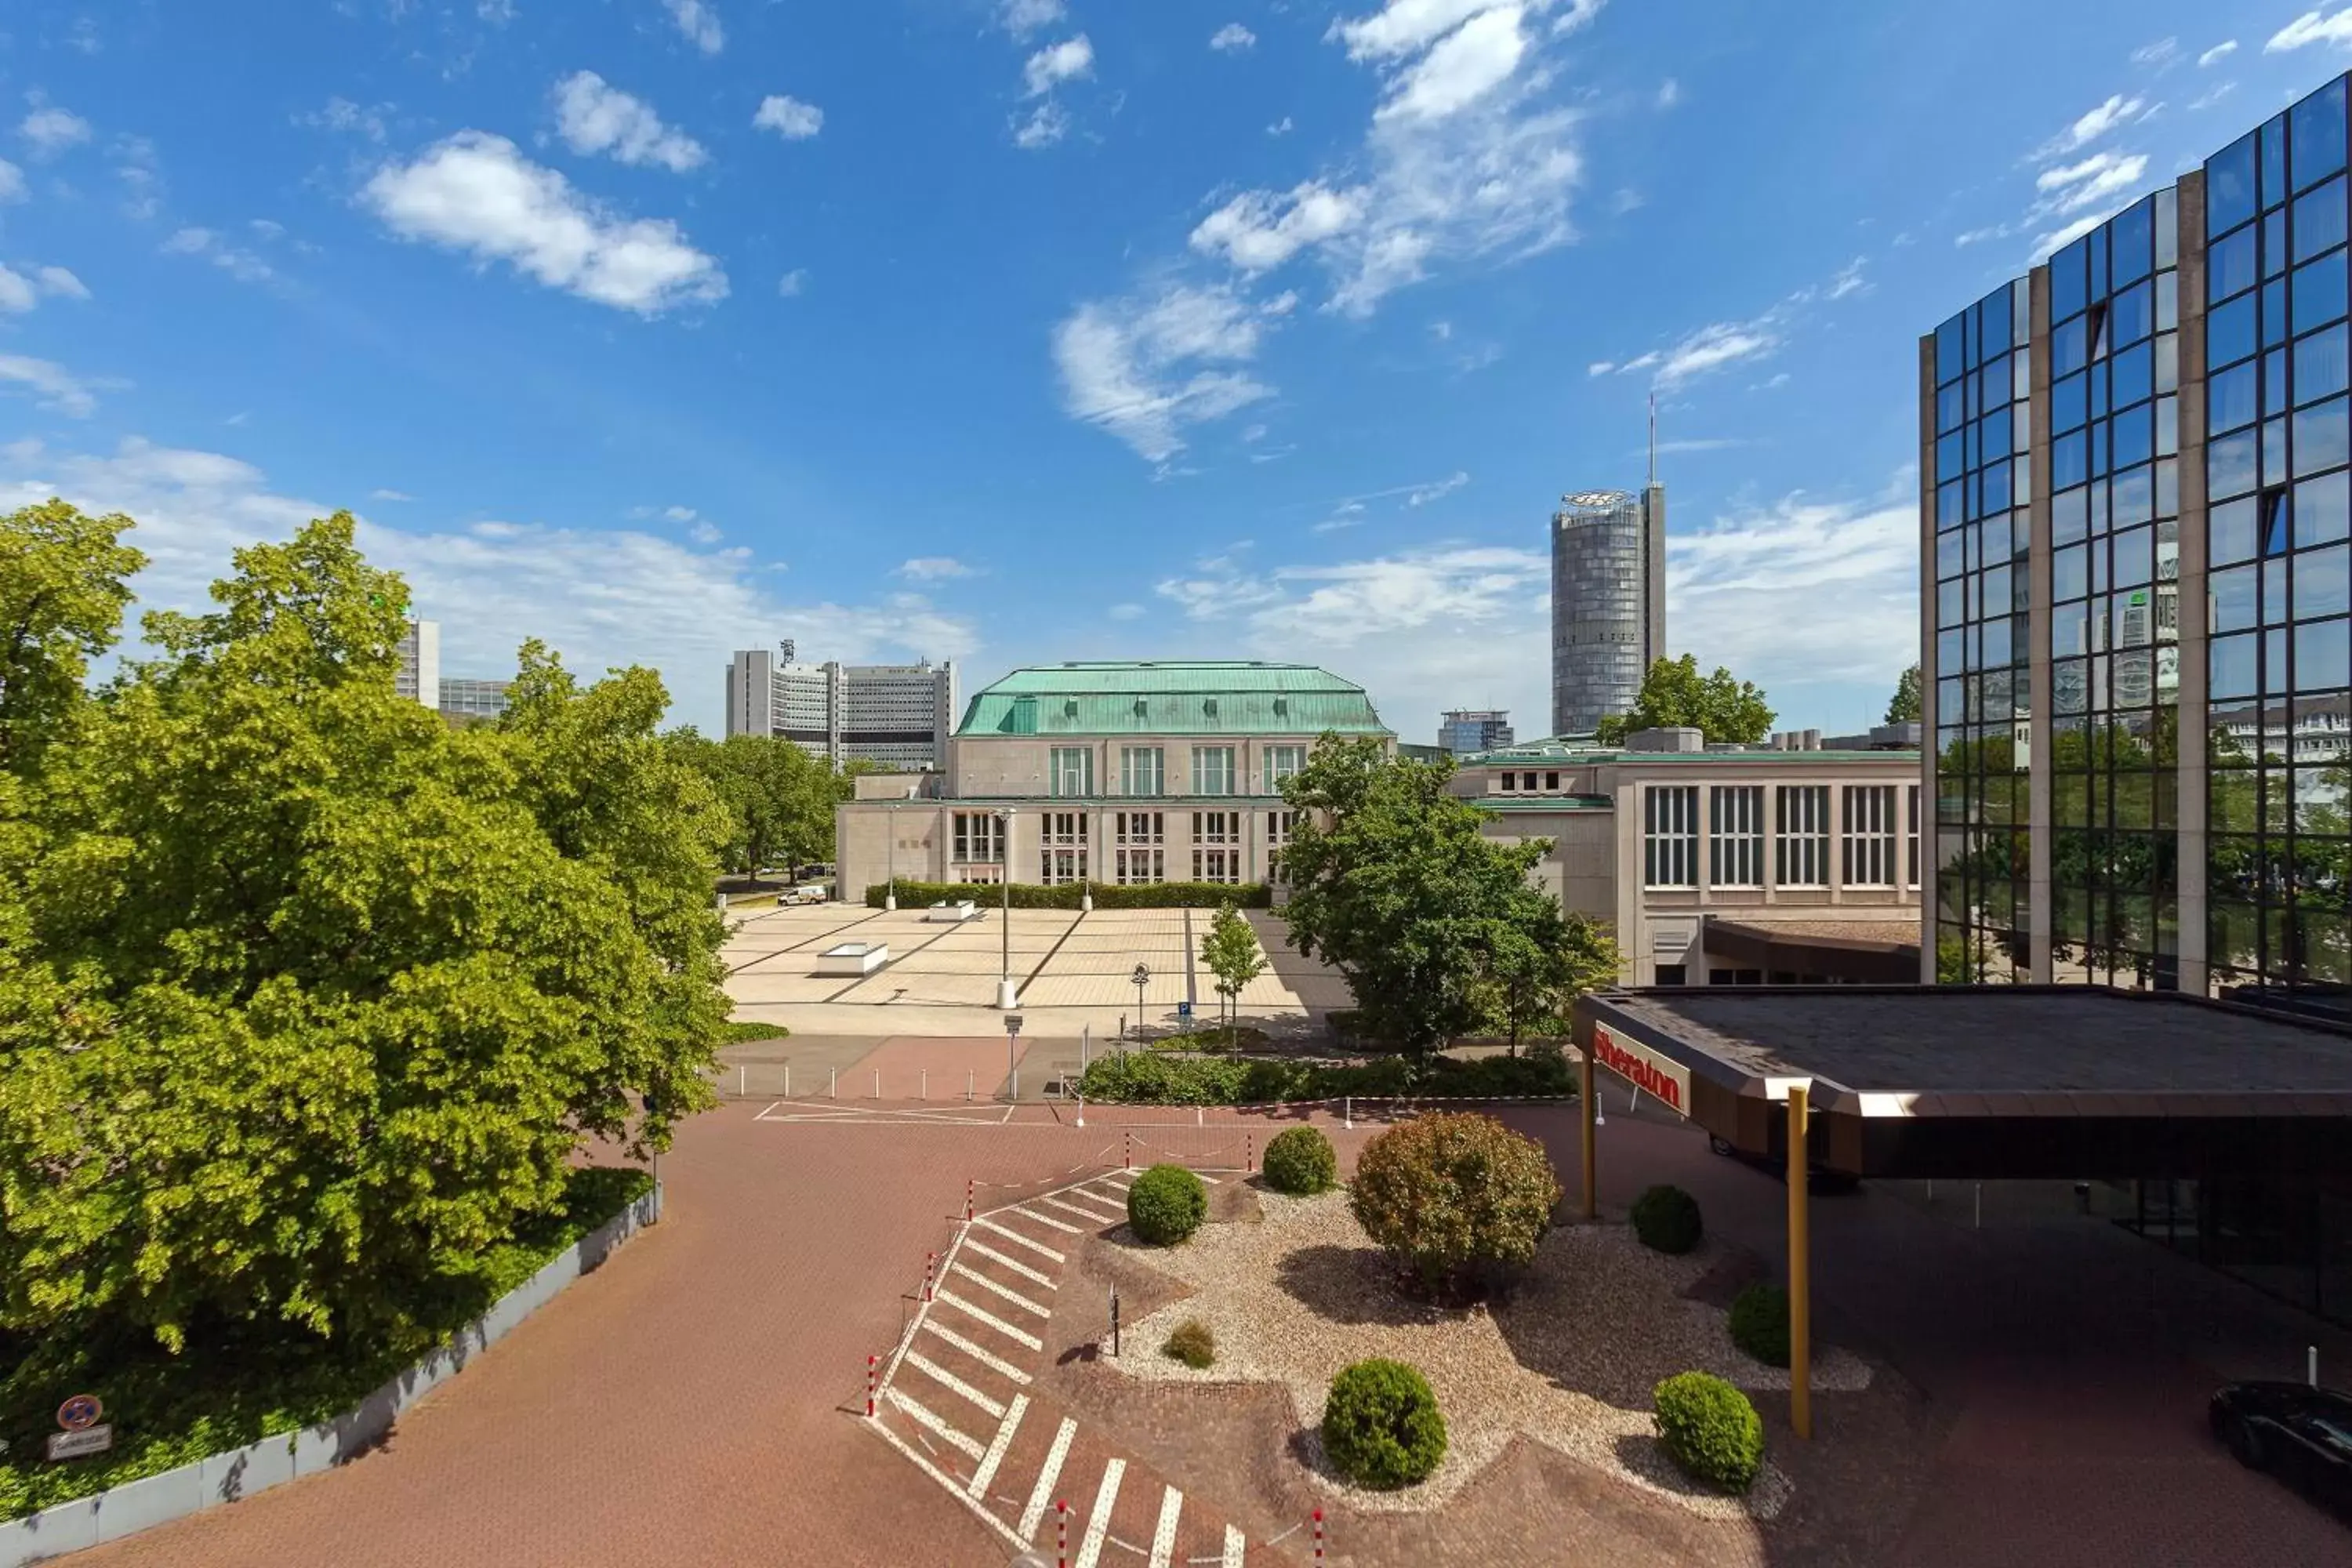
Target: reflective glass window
1996,643
2070,629
1992,383
2135,557
2315,130
1949,458
1951,602
2230,186
2275,312
2274,380
2131,316
2235,596
2319,296
2167,426
2070,347
2275,242
2134,437
2323,509
1948,363
2129,235
1949,561
2319,220
2133,503
2323,656
2134,375
2321,437
1992,433
2231,533
2167,362
2232,669
2229,465
1996,488
2070,515
2232,399
2069,280
2321,365
2167,228
2323,583
2167,475
2230,265
2068,401
2230,331
1948,509
2069,461
2274,158
2069,572
2098,259
1948,407
1995,317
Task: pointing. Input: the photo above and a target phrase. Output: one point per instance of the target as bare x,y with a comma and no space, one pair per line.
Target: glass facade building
1608,603
2137,628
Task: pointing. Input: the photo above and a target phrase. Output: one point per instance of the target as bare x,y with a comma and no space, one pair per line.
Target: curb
218,1478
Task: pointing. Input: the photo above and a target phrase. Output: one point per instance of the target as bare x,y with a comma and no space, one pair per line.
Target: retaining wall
225,1478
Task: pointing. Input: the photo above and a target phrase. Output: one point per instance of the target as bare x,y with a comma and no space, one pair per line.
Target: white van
806,893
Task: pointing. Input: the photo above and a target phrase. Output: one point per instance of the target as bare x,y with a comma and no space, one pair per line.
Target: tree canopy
306,999
1904,706
1232,954
1675,695
1436,927
777,798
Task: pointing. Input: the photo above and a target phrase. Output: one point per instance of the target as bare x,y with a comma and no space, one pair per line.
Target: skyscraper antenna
1654,440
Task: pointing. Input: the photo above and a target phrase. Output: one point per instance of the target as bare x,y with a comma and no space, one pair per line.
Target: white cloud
2160,53
1068,60
1670,93
2070,188
1710,348
52,131
699,22
788,117
53,386
679,513
137,167
11,182
593,116
2208,99
17,293
1422,495
1125,611
497,13
792,283
1282,304
56,280
342,114
1849,279
1021,17
388,495
1047,123
602,597
2045,245
242,265
1461,69
933,569
2116,112
2312,27
1281,127
2218,53
1144,370
1259,230
705,533
1403,26
477,192
1232,38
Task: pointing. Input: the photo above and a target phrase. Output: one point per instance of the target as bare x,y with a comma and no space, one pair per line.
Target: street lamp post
890,898
1007,998
1142,977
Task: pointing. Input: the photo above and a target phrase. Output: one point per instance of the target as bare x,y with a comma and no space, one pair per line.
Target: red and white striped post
873,1382
930,1265
967,1199
1062,1535
1249,1151
1319,1535
1130,1137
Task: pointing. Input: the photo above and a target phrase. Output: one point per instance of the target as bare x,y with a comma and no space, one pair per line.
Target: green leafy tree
779,800
1232,955
1905,707
64,580
306,999
1538,960
1675,695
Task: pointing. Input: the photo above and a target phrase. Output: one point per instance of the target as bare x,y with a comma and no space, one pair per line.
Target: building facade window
1670,836
1142,770
1064,828
1869,828
1071,771
1216,839
1279,825
1142,827
1138,857
1212,770
978,838
1803,836
1911,850
1511,783
1736,836
1283,763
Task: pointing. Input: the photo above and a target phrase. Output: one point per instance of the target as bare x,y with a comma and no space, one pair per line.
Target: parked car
2299,1433
1826,1184
806,893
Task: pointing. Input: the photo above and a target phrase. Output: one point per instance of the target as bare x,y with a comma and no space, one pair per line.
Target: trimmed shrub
1300,1163
1192,1344
1666,1219
1459,1198
1064,896
1381,1426
1759,1323
1158,1077
1711,1430
1166,1205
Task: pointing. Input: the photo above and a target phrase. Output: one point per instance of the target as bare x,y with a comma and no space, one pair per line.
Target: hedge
1166,1205
1759,1323
1666,1219
1157,1078
1711,1430
1300,1162
1381,1427
1064,895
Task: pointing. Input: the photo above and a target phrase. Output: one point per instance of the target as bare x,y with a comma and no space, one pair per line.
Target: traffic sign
80,1413
74,1445
1013,1023
1143,974
1183,1009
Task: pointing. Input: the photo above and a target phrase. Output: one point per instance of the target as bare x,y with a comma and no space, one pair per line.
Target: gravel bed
1301,1295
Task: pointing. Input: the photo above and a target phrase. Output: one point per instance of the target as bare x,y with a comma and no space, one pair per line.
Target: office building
418,676
1464,731
896,715
1117,772
474,698
1607,602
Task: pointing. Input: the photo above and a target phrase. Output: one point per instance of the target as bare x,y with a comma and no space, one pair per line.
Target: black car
2300,1434
1818,1182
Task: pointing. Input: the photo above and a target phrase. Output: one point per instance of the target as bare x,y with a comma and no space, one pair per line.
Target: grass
248,1381
743,1031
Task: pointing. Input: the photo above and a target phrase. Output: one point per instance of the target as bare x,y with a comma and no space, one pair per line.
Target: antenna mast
1654,440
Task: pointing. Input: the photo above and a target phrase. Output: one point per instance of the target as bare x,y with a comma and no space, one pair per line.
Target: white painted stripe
949,1380
1098,1521
1235,1547
994,1362
1121,1183
1002,1441
937,1428
1042,1493
1048,1219
1096,1216
1018,1336
1016,1236
985,1283
1020,1269
922,1462
1209,1179
1164,1534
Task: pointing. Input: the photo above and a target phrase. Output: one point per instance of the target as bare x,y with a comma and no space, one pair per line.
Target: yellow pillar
1591,1150
1801,1285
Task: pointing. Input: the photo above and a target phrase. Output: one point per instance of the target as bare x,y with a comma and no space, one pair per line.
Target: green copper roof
1179,697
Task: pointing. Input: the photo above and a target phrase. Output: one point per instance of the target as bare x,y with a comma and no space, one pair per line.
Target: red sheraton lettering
1636,1071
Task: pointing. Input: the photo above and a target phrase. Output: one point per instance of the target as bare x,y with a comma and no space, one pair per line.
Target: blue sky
1014,331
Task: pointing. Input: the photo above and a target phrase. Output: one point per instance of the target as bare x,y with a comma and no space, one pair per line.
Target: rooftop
1574,751
1170,696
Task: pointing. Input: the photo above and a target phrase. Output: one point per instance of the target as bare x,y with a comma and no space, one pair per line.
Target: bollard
1197,1114
1129,1138
2311,1366
930,1266
1979,1206
967,1199
1319,1535
967,1087
833,1083
788,1080
877,1083
927,1083
1061,1535
742,1074
873,1379
1082,1108
1348,1113
1249,1151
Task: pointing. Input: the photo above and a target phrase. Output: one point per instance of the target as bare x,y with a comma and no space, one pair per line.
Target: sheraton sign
1665,1081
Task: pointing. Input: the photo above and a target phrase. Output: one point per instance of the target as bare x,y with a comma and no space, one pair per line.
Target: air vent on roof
1282,707
1069,708
1209,707
1143,707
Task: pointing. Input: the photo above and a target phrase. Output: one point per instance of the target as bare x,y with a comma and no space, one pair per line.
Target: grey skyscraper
898,715
1607,602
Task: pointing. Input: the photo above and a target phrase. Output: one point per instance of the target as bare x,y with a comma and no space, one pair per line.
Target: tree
1231,953
1903,707
308,1000
1675,695
64,580
1538,961
1395,886
779,799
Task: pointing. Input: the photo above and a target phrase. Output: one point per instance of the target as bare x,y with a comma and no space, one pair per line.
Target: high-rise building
474,698
2138,644
898,715
418,678
1607,602
1465,732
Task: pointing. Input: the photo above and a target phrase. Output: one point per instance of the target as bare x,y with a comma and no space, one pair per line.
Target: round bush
1666,1219
1381,1426
1192,1343
1300,1163
1759,1323
1711,1430
1166,1205
1461,1199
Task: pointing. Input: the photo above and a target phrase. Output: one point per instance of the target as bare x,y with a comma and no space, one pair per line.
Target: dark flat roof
2002,1040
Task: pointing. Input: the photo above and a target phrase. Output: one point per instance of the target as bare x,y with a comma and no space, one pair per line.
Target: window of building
1216,827
978,838
1140,827
1281,762
1071,771
1803,837
1142,770
1212,770
1671,974
1064,827
1528,781
1911,851
1551,781
1511,784
1869,835
1670,836
1136,868
1736,836
1278,827
1059,866
1735,977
